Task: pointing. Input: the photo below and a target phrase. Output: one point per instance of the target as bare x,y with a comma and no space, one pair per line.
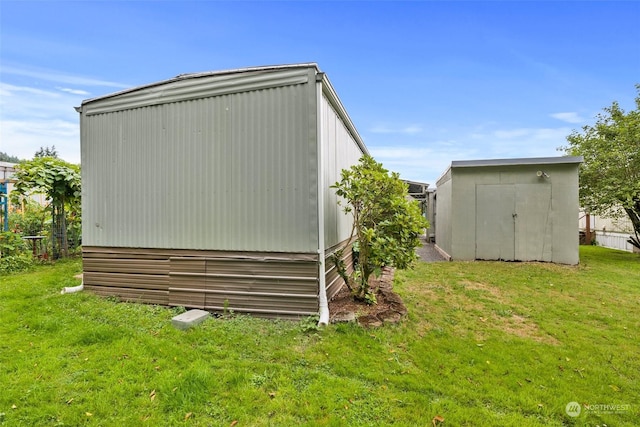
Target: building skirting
266,284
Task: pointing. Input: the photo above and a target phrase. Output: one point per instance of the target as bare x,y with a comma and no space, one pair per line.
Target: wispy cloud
511,133
409,130
59,77
31,118
11,90
426,160
524,142
74,91
23,138
569,117
29,102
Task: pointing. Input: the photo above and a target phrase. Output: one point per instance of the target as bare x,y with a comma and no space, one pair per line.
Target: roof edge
188,76
334,99
246,70
517,161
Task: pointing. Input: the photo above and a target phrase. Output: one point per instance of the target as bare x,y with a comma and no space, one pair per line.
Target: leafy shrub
11,244
30,222
15,263
386,225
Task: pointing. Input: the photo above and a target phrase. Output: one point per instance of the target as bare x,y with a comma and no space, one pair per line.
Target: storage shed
509,209
212,191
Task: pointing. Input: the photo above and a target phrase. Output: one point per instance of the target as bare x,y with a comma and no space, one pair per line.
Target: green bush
14,256
15,263
30,222
386,224
11,244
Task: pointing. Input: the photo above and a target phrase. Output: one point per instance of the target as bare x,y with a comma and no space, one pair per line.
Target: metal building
212,190
509,209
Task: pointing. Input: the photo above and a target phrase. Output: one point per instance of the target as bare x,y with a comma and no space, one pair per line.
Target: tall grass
505,344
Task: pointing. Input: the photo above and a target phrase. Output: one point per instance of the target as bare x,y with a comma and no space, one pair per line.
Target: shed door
514,222
534,224
495,221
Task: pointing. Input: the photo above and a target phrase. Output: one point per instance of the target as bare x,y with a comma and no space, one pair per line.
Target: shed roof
517,162
526,161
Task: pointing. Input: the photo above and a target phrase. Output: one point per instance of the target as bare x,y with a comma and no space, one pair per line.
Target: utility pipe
322,284
73,289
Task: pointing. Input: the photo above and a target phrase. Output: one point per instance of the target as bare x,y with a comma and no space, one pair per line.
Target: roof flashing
517,161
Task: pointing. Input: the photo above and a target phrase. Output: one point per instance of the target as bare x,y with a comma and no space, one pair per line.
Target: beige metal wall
232,171
444,231
340,151
508,212
204,191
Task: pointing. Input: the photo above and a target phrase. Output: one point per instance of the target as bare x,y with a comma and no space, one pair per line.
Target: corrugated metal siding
218,175
186,280
133,276
265,284
195,86
229,172
340,151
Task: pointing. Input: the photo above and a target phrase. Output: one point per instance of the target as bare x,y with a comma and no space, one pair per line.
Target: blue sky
424,82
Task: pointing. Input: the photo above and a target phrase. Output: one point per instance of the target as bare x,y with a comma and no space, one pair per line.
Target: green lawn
485,343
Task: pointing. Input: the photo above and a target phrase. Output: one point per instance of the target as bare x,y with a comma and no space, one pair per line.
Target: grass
485,343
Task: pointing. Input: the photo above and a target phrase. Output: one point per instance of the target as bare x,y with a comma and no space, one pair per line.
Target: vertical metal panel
444,230
229,172
340,151
495,222
534,222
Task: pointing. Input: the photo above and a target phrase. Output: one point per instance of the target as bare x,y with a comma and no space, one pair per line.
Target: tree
386,224
610,174
4,157
47,152
60,182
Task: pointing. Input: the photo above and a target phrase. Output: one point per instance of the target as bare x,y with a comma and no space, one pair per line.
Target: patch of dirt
453,302
493,291
389,309
521,327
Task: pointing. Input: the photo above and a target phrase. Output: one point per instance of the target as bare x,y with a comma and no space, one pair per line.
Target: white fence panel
613,240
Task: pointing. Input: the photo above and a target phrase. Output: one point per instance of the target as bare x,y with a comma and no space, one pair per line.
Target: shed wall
232,172
508,212
444,232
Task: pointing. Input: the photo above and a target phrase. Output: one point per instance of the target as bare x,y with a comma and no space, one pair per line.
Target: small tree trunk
634,216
